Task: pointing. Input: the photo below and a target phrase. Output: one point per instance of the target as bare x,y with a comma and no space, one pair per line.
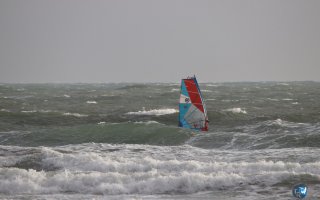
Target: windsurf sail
192,110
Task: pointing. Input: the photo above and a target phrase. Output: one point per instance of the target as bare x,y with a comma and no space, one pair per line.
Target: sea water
121,141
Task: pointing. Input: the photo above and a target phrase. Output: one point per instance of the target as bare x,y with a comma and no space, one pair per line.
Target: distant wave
28,111
91,102
75,114
173,84
287,99
272,99
230,100
111,123
236,110
285,84
288,124
157,112
37,111
18,97
278,121
175,89
206,91
147,122
54,111
108,95
212,85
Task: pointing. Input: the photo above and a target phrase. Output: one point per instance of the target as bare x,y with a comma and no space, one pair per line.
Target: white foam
28,111
236,110
230,100
212,85
75,114
206,91
67,96
47,111
5,110
147,122
287,99
285,84
93,169
271,99
278,121
37,111
156,112
105,123
175,90
172,84
91,102
287,124
108,95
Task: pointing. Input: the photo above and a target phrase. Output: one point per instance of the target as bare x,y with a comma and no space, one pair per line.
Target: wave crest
75,114
119,169
236,110
156,112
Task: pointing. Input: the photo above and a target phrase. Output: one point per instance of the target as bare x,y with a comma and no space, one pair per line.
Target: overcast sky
159,40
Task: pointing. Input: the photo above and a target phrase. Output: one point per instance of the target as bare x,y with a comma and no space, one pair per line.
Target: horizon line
156,82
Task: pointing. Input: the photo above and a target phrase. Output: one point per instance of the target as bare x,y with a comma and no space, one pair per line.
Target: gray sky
159,40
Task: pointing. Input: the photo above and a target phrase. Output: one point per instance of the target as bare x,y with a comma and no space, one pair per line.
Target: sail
192,111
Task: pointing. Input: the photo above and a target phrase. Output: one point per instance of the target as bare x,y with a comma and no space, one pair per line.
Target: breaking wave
4,110
206,90
91,102
39,111
236,110
119,169
147,122
75,114
175,90
157,112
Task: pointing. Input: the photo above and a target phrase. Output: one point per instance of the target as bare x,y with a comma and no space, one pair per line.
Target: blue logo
300,191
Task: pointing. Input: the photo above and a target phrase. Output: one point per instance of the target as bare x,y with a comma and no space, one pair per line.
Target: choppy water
121,141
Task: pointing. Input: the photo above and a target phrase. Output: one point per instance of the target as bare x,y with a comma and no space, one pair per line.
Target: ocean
122,141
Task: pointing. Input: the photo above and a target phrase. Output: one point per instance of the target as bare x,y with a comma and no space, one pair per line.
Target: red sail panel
194,93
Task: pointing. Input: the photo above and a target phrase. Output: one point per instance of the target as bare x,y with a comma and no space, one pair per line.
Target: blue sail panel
184,90
183,108
184,105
